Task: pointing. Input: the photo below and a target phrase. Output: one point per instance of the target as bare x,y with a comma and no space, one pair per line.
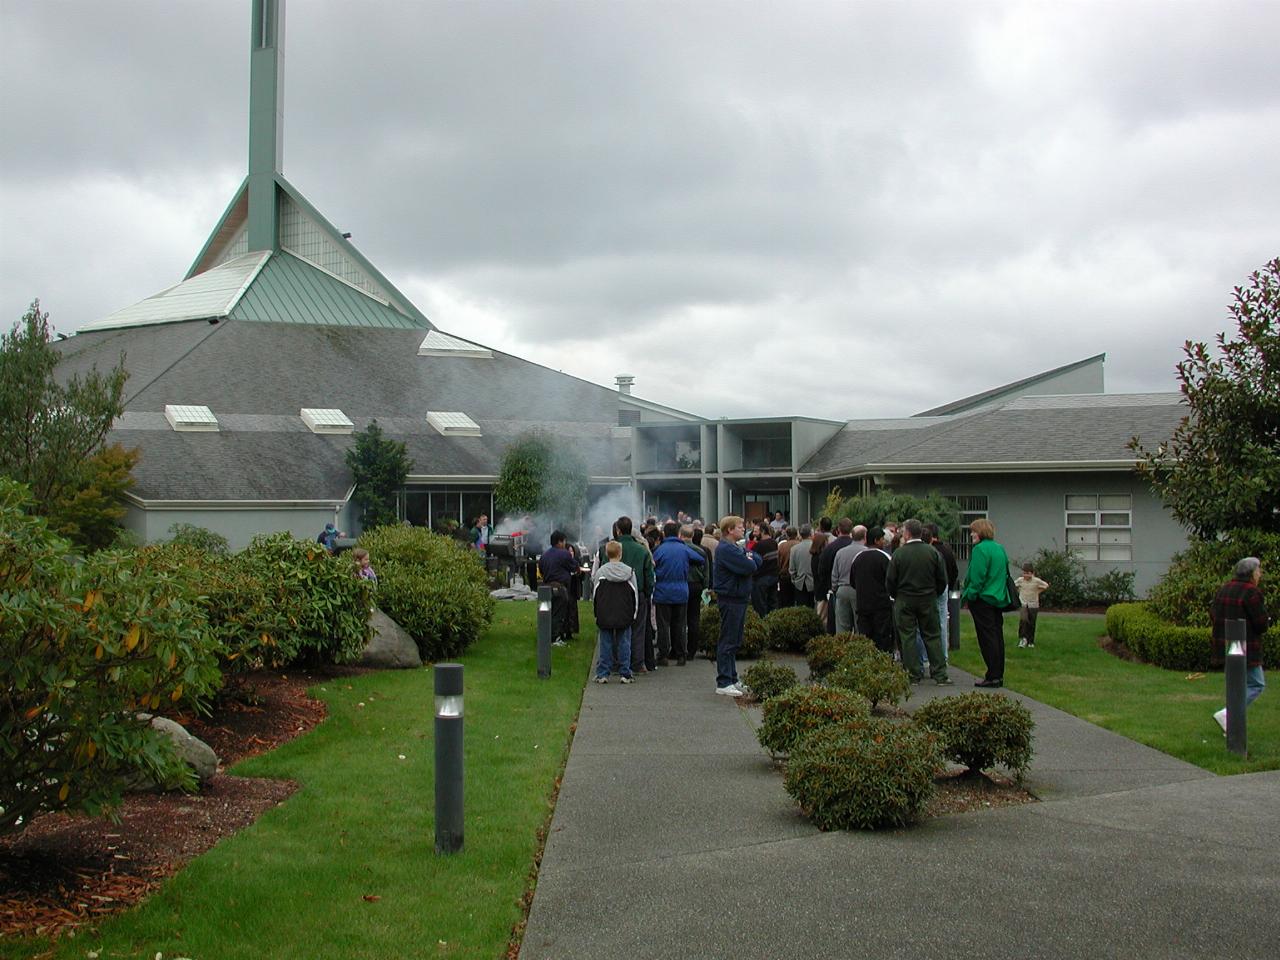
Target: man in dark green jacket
636,555
915,578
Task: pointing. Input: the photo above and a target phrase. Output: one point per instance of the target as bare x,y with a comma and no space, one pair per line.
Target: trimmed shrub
755,635
801,710
874,676
980,730
791,628
190,535
84,647
1161,643
324,604
767,679
1183,595
434,586
826,650
863,774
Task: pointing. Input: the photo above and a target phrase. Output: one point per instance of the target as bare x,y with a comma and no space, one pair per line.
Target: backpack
615,604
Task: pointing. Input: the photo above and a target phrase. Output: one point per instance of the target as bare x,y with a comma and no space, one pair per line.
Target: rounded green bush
434,586
799,711
875,676
826,650
755,635
863,774
791,628
980,730
767,679
1183,595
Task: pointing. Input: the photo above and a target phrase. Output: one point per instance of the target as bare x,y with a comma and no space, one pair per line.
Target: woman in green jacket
985,589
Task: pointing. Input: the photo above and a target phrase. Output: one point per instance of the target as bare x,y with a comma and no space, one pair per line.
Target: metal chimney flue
624,383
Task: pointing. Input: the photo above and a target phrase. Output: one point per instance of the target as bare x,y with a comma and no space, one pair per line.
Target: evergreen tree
540,476
379,467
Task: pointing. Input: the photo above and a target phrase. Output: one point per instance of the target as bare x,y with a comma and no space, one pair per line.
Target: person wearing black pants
987,592
988,624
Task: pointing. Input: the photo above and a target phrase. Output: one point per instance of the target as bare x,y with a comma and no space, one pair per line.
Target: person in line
764,591
800,567
671,562
1029,589
874,607
827,561
364,569
986,592
733,573
558,568
1241,599
615,600
914,579
953,583
481,533
635,554
843,594
816,546
699,580
777,524
786,590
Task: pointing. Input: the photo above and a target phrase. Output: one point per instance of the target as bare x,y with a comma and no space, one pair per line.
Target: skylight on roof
453,424
327,420
439,344
183,416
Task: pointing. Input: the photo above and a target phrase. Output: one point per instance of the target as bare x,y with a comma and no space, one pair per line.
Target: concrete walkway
673,838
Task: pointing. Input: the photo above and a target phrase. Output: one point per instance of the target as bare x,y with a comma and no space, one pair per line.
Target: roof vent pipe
624,384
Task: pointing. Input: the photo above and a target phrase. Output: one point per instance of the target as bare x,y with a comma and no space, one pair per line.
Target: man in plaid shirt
1240,599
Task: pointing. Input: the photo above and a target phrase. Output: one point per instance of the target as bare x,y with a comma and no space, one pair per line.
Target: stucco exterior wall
239,526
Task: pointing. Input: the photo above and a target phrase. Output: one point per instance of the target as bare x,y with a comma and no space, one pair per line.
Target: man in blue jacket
733,572
671,591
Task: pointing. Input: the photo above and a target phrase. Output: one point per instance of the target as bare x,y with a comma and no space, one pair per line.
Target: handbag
1014,602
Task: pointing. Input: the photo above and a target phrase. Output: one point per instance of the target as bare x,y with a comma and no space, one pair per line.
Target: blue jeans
1254,684
733,618
942,626
615,652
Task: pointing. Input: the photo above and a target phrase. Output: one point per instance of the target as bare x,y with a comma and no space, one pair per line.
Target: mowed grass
346,867
1166,709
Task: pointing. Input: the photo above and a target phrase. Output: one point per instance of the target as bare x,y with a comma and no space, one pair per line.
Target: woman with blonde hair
987,593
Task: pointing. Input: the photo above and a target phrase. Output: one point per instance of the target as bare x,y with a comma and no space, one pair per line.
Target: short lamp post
1236,668
953,620
448,737
544,633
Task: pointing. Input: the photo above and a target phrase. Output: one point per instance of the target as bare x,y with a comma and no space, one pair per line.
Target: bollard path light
953,620
1236,668
544,633
448,740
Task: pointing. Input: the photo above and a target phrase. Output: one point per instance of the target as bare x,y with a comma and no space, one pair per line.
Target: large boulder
194,752
391,647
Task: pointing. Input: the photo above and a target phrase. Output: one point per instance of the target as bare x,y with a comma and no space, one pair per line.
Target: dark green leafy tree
1221,468
379,467
544,477
884,505
90,515
52,433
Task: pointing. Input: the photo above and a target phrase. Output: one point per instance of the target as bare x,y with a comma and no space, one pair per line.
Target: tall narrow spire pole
266,121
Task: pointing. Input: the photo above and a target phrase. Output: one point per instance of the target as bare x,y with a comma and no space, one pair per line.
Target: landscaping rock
391,647
194,752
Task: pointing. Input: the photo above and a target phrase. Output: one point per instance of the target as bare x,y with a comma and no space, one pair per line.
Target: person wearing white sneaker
1240,599
733,572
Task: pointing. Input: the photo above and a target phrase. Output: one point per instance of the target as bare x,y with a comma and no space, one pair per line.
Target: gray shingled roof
1081,429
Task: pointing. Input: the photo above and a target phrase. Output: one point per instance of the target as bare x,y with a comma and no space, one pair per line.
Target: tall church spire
266,122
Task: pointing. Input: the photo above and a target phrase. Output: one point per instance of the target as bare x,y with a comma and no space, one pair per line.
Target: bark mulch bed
64,870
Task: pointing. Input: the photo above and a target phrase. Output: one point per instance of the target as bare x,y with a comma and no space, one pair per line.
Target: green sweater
636,555
916,570
988,574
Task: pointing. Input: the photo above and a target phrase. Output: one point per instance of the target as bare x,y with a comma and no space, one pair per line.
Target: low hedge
1185,591
433,586
980,730
767,679
799,711
825,651
791,628
875,676
1157,641
863,774
755,635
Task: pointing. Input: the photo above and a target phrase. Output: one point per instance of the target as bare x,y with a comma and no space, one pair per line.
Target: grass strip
346,867
1170,710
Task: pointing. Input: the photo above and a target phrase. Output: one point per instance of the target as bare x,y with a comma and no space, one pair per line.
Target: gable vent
190,417
437,344
453,424
327,420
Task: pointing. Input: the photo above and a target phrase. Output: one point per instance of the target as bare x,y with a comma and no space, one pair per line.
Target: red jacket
1239,599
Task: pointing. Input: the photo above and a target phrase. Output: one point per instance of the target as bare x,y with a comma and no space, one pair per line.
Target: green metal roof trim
290,290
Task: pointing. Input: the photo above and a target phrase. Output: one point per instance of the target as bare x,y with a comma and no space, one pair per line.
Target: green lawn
293,884
1166,709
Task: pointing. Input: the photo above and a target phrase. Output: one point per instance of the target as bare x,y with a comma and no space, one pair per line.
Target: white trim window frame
1099,526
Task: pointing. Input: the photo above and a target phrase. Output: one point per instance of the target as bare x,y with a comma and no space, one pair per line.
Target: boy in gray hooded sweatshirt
616,602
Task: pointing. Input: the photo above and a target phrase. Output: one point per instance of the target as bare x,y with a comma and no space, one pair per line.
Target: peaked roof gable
1055,381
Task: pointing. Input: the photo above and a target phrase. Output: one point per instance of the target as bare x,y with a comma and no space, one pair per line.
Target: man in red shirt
1240,599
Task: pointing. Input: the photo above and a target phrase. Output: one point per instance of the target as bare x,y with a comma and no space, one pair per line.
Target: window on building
971,508
1100,525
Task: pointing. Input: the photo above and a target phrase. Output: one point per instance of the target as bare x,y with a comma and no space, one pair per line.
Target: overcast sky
758,209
